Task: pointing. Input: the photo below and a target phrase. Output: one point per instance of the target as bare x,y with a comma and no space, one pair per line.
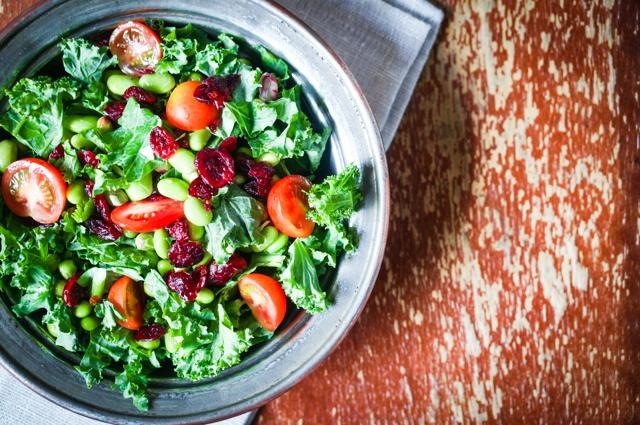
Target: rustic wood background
510,291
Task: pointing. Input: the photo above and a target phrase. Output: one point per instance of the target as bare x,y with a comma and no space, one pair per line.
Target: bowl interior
331,98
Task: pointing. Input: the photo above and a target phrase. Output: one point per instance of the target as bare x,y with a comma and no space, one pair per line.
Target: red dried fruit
57,153
149,332
88,188
259,183
72,294
89,158
186,285
139,94
185,253
214,125
215,166
243,163
179,230
162,143
114,111
201,189
102,207
230,144
220,274
103,229
268,87
216,90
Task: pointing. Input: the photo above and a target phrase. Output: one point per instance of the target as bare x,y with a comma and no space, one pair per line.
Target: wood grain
510,291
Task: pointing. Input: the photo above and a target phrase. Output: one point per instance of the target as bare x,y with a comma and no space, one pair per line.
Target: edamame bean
8,153
196,213
89,323
172,342
239,179
157,83
78,141
161,243
67,268
104,124
117,198
183,161
79,123
246,151
98,283
195,76
75,193
269,158
143,188
269,236
119,83
59,288
196,232
278,245
164,266
190,177
53,330
173,188
206,259
198,139
205,296
144,241
149,344
129,234
82,310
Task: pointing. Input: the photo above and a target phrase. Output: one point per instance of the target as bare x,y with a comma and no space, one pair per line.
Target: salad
161,202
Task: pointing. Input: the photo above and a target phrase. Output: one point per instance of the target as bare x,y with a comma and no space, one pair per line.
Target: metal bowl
332,97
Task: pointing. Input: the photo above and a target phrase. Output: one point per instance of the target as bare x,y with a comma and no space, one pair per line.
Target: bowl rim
340,332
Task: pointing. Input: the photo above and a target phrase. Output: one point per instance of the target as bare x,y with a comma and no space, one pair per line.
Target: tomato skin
186,112
147,215
287,204
126,297
137,47
266,299
34,188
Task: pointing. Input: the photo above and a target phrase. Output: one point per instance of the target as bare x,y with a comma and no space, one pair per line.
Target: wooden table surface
510,291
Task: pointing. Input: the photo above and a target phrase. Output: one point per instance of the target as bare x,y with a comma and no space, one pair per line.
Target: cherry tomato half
137,47
265,298
147,215
186,112
126,297
287,205
34,188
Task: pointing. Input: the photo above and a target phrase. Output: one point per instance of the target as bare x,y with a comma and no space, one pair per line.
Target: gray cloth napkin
385,43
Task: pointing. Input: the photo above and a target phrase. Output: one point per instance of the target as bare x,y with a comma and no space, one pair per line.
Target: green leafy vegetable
273,63
300,280
83,60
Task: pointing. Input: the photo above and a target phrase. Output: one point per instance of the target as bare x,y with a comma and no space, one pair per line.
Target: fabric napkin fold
385,43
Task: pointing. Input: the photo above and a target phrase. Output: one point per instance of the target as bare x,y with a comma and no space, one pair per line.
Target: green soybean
278,245
269,236
206,259
78,141
144,241
245,151
239,179
137,191
173,188
269,158
67,268
59,288
104,124
183,161
164,266
53,330
205,296
75,193
196,232
149,344
89,323
8,153
195,76
79,123
198,139
119,83
196,213
129,234
161,243
117,198
157,83
82,310
191,176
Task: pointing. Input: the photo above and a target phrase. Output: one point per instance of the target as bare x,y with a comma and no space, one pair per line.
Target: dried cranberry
114,111
229,144
268,87
216,90
187,285
219,274
88,188
139,94
103,229
57,153
89,158
215,166
179,230
259,183
102,207
149,332
201,189
185,253
214,125
162,143
72,294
